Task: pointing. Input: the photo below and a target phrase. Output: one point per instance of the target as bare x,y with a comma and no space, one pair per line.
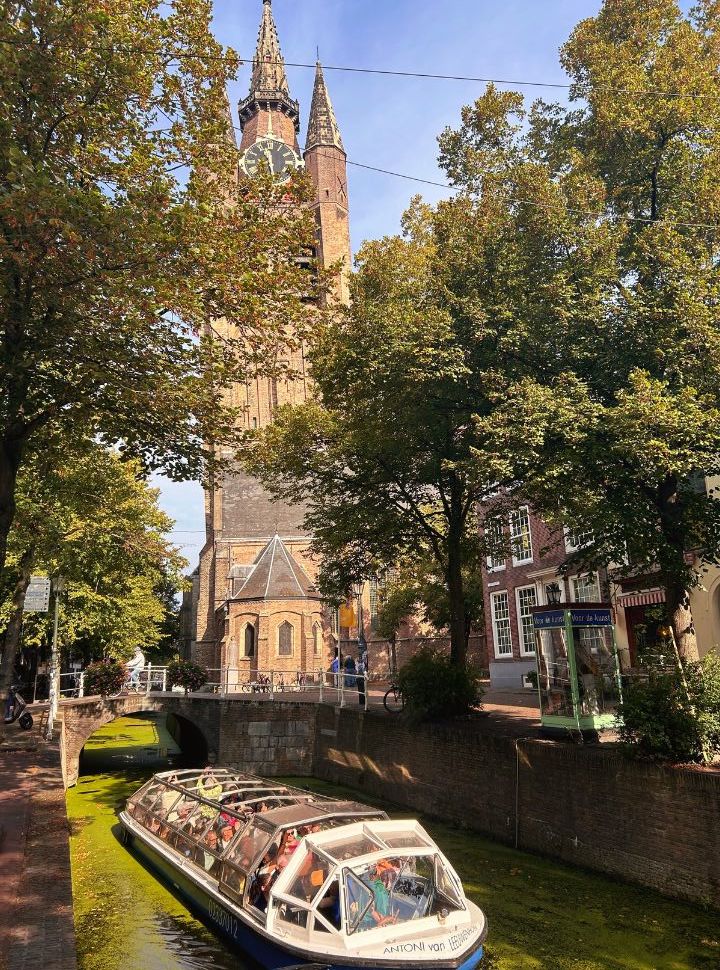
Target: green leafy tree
390,458
90,517
138,279
613,210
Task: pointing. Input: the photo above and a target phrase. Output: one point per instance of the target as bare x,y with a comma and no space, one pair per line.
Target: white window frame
574,587
493,598
520,616
513,537
574,547
495,565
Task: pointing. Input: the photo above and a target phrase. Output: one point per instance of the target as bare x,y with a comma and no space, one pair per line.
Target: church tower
327,164
256,605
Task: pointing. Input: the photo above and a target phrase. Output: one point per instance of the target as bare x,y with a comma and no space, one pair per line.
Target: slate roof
323,128
277,576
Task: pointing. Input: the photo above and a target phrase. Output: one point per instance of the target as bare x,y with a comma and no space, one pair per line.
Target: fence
313,686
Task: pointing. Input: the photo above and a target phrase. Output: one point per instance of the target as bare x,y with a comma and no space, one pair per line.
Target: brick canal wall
593,807
268,739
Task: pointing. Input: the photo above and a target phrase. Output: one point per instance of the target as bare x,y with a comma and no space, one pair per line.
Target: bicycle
393,701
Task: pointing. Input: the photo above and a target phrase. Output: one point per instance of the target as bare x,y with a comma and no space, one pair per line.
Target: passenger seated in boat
265,876
380,913
208,858
226,836
329,905
288,845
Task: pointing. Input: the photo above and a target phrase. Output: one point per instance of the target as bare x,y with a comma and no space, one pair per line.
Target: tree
124,234
402,441
90,517
614,209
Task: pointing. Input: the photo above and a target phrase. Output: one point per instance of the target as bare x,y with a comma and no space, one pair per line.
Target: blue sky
386,122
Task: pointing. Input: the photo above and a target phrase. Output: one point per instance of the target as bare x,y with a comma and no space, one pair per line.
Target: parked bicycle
393,701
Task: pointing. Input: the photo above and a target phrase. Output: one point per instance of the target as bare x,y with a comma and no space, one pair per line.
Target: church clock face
279,158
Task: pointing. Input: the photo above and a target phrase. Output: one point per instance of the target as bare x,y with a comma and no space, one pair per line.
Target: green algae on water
125,917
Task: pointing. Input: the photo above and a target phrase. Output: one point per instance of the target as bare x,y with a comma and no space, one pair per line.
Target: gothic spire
323,128
268,74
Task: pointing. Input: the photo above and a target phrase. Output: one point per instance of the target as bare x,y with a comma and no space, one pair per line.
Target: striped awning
642,597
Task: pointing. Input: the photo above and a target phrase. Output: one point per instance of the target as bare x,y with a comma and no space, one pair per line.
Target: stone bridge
259,736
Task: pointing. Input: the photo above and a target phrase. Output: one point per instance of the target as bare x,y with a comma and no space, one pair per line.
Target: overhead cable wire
389,72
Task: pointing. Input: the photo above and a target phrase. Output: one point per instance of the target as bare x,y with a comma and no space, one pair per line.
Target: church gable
276,575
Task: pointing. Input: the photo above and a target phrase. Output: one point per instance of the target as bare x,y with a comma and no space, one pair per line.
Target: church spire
269,88
268,74
323,128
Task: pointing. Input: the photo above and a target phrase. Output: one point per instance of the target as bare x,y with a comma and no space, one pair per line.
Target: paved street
36,928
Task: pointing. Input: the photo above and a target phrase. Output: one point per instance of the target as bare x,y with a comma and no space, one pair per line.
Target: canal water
124,916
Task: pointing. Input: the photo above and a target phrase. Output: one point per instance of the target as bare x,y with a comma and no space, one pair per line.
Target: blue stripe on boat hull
261,950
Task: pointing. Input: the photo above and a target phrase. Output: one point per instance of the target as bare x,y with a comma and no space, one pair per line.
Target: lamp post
362,644
59,587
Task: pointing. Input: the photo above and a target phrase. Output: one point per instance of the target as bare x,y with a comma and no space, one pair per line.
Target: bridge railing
312,685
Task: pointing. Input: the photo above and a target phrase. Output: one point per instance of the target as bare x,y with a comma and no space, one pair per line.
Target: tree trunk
456,590
681,620
10,454
11,638
676,588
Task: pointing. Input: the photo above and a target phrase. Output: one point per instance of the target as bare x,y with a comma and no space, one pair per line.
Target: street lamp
553,594
362,644
59,587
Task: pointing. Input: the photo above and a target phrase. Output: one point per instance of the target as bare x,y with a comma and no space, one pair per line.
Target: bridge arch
191,723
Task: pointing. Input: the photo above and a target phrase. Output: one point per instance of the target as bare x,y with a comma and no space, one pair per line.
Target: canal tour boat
291,877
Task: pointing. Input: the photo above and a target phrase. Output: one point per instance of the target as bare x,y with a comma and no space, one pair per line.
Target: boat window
232,882
402,889
206,853
447,885
329,905
263,879
404,840
351,847
311,877
359,900
181,810
249,846
292,914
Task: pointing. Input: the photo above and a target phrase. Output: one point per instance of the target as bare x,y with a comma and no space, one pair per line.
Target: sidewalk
36,916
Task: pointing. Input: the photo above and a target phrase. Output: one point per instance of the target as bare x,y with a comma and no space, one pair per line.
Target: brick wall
659,827
268,739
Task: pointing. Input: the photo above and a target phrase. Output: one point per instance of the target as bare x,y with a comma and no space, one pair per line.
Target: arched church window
317,640
285,639
249,640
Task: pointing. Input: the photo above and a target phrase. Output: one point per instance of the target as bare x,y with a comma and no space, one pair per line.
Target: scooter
16,710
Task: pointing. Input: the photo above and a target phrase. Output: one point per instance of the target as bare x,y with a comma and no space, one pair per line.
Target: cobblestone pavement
36,917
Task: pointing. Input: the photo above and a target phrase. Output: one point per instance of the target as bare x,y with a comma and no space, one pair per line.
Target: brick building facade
281,625
517,577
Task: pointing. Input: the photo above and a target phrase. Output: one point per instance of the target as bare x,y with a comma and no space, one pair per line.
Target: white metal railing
314,685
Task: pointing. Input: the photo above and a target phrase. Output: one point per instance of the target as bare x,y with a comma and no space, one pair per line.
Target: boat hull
214,911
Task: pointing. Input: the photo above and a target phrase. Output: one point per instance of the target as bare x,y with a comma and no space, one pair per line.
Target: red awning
649,597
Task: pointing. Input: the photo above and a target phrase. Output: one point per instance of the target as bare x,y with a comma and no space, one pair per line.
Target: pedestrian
335,668
350,679
361,671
